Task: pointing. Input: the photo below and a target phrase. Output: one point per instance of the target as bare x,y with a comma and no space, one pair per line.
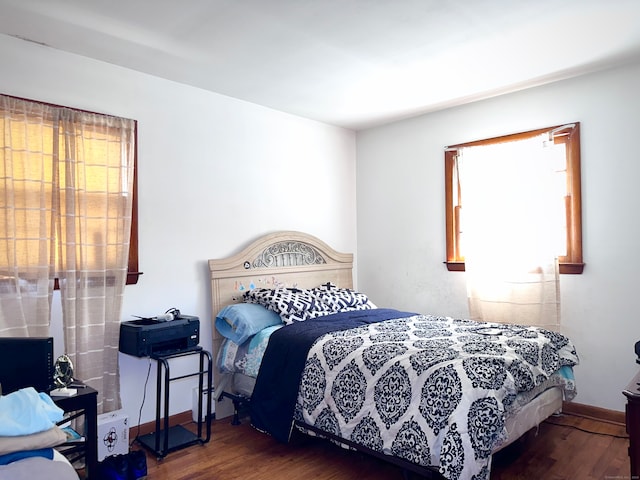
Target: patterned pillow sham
298,305
340,299
292,304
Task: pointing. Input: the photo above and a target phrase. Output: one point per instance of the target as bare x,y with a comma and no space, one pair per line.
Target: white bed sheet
531,415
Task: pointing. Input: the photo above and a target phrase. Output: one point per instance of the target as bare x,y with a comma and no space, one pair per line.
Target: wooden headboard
285,258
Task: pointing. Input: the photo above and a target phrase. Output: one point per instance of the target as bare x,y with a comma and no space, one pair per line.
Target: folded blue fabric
15,456
240,321
26,411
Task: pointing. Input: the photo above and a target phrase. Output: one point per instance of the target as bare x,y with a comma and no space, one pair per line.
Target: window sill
565,268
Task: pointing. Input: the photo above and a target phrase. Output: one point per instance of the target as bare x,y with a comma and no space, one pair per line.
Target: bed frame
296,259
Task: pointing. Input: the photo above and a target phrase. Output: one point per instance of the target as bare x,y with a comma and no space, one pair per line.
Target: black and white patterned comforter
431,390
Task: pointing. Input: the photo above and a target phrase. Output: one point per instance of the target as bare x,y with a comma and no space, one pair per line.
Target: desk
85,402
165,439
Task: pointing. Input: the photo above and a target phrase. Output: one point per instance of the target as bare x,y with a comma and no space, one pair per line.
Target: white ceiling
352,63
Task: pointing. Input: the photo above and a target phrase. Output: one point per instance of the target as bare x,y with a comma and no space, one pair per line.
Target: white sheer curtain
79,223
511,231
26,263
94,221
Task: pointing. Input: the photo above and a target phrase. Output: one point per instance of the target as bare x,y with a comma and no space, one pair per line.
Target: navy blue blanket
274,396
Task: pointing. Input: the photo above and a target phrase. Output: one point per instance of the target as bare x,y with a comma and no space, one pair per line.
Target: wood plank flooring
567,447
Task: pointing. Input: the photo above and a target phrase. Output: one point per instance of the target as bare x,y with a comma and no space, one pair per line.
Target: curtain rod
551,133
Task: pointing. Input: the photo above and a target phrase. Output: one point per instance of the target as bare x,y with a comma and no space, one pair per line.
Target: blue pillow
240,321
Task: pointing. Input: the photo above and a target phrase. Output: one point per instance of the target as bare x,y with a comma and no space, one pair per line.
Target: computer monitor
26,362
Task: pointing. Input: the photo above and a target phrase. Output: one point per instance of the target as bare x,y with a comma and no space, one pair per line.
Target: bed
435,395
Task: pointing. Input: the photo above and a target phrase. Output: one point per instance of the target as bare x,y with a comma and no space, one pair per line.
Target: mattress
518,423
243,384
529,414
548,403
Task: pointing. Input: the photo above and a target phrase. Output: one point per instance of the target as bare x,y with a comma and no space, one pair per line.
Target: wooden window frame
133,272
573,262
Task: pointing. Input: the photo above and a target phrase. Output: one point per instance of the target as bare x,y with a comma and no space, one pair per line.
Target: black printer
147,337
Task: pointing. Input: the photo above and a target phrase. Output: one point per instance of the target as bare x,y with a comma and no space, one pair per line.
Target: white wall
241,170
401,236
214,173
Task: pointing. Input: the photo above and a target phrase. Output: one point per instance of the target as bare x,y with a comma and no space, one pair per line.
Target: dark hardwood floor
565,447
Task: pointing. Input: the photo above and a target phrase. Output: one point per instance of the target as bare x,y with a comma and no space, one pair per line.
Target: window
564,140
32,136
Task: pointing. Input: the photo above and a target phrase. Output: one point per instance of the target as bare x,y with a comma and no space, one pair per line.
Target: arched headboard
284,258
